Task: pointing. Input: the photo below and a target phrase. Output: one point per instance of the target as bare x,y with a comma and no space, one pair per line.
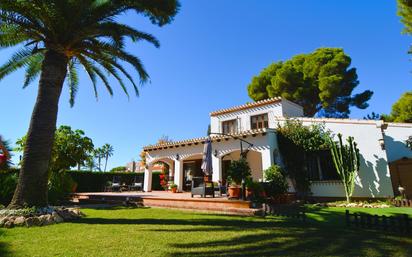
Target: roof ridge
247,105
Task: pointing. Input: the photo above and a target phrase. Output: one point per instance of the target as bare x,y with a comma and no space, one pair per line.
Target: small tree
346,160
277,183
238,170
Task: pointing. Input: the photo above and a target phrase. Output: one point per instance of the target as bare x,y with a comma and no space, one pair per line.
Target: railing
402,203
399,223
285,211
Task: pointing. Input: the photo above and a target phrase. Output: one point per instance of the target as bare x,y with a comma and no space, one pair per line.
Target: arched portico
254,158
147,187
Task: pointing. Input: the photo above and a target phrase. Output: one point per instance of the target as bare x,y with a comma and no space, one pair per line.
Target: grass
163,232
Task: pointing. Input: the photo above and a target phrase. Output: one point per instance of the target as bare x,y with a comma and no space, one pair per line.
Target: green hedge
92,181
86,181
8,182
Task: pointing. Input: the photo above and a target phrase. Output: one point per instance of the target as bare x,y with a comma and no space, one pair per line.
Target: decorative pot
174,189
249,193
207,178
234,192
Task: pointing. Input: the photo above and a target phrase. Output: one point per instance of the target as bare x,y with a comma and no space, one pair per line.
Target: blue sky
208,56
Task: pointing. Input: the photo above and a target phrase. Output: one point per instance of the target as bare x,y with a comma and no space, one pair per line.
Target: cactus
346,160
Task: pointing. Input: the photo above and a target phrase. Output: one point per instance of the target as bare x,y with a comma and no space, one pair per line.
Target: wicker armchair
202,188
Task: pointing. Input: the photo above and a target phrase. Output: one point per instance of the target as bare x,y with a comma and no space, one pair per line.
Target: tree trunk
31,188
105,164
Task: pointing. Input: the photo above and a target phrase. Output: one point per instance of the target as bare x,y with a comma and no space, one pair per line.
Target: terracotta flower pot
249,192
234,192
174,189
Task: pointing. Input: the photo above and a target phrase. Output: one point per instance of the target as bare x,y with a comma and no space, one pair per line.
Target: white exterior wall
284,108
263,145
374,178
395,136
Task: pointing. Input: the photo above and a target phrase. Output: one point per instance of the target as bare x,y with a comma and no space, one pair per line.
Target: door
401,175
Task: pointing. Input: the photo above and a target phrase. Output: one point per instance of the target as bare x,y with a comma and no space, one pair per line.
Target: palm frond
19,59
33,69
73,81
90,71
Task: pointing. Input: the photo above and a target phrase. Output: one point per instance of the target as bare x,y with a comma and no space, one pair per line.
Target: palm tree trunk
31,188
105,164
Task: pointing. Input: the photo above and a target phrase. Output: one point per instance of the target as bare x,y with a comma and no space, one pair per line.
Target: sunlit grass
163,232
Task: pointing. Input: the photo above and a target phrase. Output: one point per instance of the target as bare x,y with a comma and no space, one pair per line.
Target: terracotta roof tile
247,106
203,139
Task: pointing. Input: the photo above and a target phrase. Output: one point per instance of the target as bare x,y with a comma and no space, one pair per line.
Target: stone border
40,217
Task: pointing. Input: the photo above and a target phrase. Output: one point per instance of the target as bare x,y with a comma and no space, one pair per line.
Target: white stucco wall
373,179
264,147
283,108
395,137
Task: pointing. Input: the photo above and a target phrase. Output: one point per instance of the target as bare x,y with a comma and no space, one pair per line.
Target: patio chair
116,186
202,188
136,184
222,188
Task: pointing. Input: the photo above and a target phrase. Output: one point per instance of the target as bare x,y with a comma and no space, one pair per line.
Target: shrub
238,170
89,181
276,181
296,143
8,183
61,185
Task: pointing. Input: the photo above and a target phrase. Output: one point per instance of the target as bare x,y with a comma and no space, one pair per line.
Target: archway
161,166
254,159
191,168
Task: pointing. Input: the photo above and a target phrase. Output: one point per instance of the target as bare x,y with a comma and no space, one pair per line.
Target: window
259,121
320,166
229,127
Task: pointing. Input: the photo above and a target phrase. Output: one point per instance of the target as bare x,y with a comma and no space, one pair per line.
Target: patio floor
170,200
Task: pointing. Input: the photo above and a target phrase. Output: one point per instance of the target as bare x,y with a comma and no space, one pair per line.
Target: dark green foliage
8,182
238,171
86,32
322,82
373,116
405,12
61,185
89,181
347,162
276,181
71,148
296,143
401,109
156,181
120,168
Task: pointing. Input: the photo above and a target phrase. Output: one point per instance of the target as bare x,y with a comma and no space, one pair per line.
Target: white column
217,168
267,158
179,175
147,187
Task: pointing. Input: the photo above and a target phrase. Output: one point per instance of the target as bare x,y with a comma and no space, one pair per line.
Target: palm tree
98,154
108,152
55,38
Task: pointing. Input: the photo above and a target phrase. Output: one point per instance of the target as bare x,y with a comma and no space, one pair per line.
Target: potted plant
276,183
237,172
249,184
173,187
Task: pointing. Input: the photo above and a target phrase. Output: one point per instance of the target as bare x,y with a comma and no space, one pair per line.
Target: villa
386,162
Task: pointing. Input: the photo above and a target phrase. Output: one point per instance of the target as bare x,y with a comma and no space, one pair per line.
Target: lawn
163,232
